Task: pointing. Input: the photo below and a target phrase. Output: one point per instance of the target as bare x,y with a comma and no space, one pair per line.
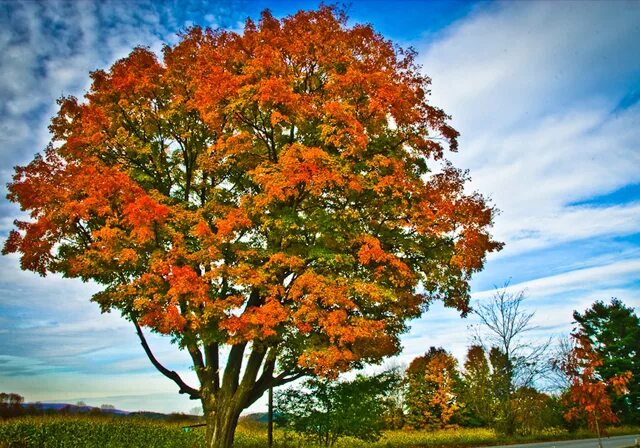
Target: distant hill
261,417
72,408
75,409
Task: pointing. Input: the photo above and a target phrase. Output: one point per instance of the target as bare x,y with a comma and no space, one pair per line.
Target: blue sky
545,94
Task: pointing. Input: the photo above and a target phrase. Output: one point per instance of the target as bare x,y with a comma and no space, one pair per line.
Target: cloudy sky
546,95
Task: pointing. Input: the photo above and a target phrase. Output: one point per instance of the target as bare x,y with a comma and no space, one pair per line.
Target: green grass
109,432
94,432
471,437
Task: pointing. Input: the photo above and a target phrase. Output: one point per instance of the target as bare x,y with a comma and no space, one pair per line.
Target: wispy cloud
614,274
534,88
544,95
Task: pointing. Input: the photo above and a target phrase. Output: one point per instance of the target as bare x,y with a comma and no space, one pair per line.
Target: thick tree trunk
221,426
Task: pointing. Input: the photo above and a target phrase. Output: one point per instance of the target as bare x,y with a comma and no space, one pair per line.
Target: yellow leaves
619,383
328,362
185,283
229,148
342,129
277,118
324,306
370,251
432,379
384,263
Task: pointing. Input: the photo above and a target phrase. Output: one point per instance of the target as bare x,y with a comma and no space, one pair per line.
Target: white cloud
534,87
588,279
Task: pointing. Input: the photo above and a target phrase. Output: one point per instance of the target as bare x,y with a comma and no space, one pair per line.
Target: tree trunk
221,425
270,425
598,431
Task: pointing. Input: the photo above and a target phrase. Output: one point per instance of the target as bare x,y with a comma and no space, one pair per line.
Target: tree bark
221,424
270,424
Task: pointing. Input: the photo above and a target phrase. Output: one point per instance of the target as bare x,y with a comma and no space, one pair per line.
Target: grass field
108,432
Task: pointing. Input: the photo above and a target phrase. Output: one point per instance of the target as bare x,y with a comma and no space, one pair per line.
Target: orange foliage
250,187
589,396
431,398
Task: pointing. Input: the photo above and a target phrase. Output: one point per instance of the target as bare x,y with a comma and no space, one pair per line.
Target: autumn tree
279,195
477,393
432,389
588,395
535,411
614,332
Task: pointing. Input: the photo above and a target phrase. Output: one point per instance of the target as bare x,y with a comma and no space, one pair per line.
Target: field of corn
106,432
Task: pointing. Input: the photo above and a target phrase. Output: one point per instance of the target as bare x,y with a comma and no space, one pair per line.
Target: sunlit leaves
284,185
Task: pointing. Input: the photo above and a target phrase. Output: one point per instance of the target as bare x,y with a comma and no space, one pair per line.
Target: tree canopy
589,395
613,331
282,191
433,384
326,410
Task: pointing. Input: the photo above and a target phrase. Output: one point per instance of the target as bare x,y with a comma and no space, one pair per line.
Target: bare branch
194,394
264,383
506,322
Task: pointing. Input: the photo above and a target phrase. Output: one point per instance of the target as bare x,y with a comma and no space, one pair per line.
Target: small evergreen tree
613,331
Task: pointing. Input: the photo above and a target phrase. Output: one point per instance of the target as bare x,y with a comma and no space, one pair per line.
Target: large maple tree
280,196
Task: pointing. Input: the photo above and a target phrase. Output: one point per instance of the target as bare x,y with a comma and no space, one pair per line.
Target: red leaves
134,76
255,323
234,220
386,265
299,168
165,320
589,395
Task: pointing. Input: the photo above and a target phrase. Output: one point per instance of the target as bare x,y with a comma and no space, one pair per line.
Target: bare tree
506,324
516,361
558,379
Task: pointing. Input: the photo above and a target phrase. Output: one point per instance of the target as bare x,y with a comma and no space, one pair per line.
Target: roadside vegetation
64,431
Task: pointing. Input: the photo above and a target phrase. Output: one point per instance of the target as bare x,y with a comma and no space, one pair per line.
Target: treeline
506,382
12,405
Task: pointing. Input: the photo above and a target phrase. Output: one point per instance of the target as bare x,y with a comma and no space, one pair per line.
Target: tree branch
254,362
212,360
194,394
232,369
265,383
